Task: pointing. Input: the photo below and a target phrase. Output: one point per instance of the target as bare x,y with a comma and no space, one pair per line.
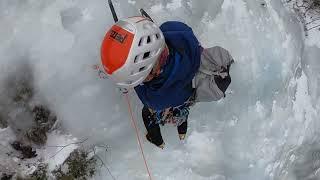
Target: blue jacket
174,85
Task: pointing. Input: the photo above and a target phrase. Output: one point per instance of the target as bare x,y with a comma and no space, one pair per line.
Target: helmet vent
146,55
157,36
142,68
140,42
135,59
148,39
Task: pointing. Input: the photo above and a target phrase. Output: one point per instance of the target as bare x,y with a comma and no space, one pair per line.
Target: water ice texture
269,114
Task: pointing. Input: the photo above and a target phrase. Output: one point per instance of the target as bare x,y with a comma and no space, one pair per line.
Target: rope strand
137,134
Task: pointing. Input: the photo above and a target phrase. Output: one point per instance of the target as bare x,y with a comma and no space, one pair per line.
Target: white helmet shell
130,50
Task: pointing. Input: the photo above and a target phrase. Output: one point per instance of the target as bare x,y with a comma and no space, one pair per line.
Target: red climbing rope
134,124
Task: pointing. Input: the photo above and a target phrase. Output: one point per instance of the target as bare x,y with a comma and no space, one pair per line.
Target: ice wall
268,115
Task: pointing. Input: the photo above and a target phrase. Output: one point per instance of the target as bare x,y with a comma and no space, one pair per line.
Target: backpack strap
222,73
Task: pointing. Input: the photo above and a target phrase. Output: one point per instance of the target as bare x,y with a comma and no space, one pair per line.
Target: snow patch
175,4
58,149
203,150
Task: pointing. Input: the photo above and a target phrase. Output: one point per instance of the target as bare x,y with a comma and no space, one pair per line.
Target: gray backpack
214,61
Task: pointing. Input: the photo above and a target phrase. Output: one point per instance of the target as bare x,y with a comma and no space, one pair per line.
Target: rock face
5,176
16,92
44,121
3,122
308,12
30,119
25,150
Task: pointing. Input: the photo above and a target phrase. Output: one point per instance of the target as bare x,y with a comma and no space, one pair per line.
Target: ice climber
168,69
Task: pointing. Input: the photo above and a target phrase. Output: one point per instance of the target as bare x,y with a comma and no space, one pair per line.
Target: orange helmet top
115,48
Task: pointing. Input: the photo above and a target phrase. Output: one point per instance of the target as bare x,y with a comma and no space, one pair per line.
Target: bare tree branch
64,146
102,163
313,27
314,20
99,158
307,9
